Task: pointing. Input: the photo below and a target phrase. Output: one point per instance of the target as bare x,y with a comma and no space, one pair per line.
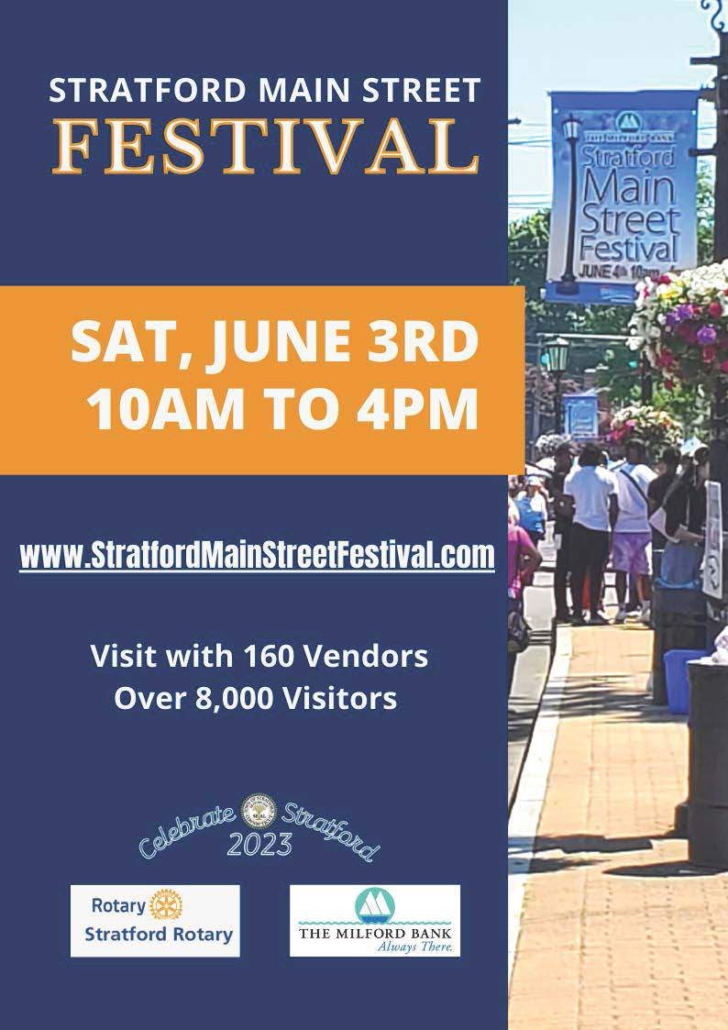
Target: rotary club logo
258,811
165,904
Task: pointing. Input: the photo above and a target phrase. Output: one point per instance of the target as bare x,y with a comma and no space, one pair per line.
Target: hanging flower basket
548,443
654,427
681,324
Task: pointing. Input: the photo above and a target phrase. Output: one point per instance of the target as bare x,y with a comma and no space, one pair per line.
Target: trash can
676,678
679,622
708,791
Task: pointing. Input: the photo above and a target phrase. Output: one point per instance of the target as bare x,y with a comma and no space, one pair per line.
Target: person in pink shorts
632,537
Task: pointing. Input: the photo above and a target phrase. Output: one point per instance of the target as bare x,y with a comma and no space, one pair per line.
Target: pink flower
687,332
715,310
708,355
723,366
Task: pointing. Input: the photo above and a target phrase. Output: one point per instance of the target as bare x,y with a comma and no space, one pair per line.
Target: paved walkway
617,932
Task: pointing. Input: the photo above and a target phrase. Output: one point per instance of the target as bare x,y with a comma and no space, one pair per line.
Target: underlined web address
256,557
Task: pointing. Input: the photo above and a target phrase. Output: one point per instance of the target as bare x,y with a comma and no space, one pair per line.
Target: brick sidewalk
617,931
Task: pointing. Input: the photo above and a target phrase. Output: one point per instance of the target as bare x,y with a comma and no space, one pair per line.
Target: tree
528,242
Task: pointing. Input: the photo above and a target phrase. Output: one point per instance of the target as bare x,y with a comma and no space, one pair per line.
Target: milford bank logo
357,921
628,122
374,905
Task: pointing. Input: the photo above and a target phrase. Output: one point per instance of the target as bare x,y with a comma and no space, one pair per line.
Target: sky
608,45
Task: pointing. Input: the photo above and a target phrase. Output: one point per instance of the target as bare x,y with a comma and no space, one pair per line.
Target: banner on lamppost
713,563
624,192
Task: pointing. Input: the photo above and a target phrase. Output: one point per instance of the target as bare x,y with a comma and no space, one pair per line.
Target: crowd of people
647,521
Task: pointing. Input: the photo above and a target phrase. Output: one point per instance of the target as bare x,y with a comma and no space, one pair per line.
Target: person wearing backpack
657,491
632,537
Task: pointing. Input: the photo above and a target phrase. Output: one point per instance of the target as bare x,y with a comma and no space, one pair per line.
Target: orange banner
262,380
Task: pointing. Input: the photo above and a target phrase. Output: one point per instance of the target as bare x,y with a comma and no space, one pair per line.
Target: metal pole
721,153
557,401
719,405
719,413
717,611
569,270
646,380
537,393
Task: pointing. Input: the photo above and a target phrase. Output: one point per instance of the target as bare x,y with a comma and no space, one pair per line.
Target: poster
253,522
581,416
624,192
713,562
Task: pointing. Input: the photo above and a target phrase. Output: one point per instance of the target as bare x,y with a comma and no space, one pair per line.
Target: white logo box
209,923
425,922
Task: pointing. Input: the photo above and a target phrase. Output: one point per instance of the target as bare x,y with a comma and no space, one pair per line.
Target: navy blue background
213,228
85,781
88,781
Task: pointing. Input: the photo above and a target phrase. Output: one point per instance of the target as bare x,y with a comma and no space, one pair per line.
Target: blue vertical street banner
581,416
253,558
624,192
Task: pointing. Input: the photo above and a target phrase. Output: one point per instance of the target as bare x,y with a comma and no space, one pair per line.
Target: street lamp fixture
571,126
556,353
567,286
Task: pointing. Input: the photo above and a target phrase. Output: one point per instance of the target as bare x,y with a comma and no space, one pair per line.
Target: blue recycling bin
678,618
676,677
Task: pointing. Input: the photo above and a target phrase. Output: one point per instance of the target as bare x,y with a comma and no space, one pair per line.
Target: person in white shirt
632,539
593,493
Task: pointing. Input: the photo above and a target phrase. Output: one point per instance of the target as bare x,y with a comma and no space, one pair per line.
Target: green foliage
528,241
689,406
706,219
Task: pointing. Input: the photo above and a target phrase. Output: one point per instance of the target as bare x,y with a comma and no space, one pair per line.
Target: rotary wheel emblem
165,904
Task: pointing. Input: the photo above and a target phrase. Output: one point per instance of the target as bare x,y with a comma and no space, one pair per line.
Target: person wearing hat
532,508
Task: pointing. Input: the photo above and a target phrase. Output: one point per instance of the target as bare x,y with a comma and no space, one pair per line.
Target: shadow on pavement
663,870
576,848
579,843
556,865
587,696
519,725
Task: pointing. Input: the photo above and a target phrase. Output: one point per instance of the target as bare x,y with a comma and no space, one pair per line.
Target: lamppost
556,353
719,95
707,804
567,285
